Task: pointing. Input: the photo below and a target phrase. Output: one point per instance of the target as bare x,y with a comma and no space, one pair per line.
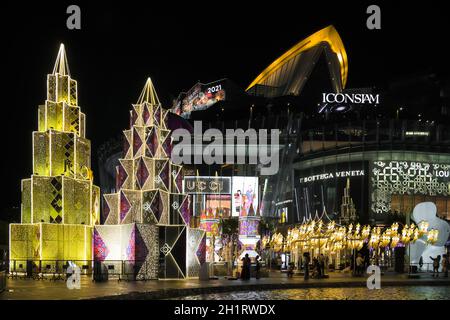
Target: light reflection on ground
388,293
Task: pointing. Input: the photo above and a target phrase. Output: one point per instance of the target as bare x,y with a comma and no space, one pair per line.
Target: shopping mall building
349,154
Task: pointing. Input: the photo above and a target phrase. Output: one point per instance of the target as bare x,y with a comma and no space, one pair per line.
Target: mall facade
366,155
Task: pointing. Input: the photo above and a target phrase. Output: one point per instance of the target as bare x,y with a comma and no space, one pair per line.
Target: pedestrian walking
436,263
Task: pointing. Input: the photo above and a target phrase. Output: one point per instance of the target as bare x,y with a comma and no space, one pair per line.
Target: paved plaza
30,289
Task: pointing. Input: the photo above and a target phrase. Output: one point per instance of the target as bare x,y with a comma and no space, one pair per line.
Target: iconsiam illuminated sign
332,175
356,98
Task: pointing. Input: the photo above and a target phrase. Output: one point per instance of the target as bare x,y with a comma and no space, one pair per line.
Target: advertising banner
199,97
244,196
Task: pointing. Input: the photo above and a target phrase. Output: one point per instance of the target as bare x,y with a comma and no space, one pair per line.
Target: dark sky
120,45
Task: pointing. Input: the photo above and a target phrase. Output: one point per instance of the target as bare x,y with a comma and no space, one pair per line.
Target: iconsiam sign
60,203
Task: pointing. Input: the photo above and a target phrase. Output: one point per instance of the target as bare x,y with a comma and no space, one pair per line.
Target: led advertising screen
249,228
244,196
220,204
199,97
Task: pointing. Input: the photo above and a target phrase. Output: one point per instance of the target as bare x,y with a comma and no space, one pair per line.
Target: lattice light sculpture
60,203
148,194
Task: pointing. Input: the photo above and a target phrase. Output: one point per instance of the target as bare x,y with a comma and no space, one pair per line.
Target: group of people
440,262
247,267
318,266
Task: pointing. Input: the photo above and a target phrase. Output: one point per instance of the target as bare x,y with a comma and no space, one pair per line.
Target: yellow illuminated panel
41,156
26,201
65,242
24,241
77,201
41,118
82,157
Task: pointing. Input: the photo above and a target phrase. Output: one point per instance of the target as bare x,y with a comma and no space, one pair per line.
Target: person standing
444,264
306,265
257,268
244,268
249,267
436,263
359,265
322,265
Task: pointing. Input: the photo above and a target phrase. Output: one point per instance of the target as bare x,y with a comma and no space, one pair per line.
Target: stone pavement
28,289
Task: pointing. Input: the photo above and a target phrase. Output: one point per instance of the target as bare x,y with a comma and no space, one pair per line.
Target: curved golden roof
328,35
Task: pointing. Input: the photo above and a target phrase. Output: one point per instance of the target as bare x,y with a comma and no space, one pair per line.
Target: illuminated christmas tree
146,221
348,209
60,204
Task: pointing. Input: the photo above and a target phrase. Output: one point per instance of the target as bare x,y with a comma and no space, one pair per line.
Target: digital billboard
244,196
220,204
199,97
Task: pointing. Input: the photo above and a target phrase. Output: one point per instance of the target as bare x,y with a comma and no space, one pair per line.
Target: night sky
120,45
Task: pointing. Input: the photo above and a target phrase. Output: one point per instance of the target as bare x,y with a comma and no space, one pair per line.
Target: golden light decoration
333,238
385,238
265,241
277,242
423,228
365,232
375,236
394,227
432,236
405,237
394,241
331,227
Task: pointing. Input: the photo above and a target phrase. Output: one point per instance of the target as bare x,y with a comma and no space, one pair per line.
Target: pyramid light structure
60,203
146,221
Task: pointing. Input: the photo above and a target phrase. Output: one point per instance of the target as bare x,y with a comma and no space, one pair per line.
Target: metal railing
99,270
423,268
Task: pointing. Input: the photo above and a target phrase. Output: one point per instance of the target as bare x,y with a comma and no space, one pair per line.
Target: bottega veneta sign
357,98
332,175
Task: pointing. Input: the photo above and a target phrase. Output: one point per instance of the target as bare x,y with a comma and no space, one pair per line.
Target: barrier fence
99,270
